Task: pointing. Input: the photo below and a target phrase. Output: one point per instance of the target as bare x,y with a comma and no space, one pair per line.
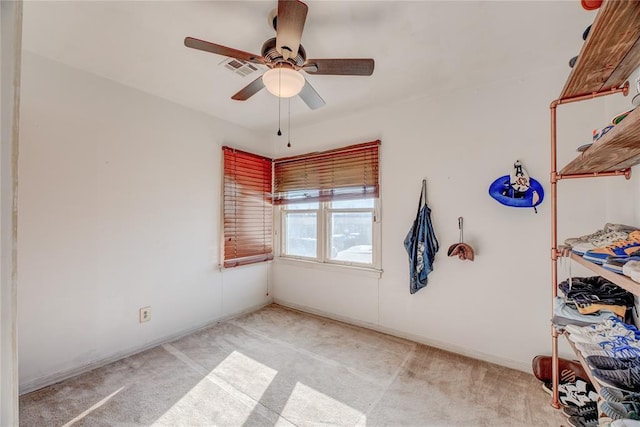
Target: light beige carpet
281,367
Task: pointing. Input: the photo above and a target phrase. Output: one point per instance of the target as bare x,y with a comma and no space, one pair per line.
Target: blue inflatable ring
501,190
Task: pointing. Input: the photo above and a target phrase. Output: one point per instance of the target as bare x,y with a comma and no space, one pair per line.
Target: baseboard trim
48,380
491,358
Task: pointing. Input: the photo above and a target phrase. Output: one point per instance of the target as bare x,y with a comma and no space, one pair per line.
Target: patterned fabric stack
589,300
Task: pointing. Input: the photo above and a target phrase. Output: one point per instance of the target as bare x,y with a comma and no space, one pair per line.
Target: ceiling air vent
239,67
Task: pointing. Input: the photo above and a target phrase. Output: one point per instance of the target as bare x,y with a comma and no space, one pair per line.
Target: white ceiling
420,47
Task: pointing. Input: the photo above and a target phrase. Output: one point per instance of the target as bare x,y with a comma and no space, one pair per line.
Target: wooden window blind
248,210
344,173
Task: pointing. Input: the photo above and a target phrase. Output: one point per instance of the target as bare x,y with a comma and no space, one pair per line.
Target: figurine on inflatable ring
503,192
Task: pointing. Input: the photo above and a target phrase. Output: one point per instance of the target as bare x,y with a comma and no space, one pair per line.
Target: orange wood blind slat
345,173
247,208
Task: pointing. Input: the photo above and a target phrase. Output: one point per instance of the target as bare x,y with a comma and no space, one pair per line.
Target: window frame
323,236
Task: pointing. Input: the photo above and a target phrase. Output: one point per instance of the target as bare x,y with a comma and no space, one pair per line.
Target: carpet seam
308,353
363,420
266,412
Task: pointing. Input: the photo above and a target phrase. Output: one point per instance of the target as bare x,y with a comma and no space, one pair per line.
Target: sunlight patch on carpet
315,405
245,374
229,393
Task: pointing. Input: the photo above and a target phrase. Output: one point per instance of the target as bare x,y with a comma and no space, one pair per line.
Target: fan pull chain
279,100
289,126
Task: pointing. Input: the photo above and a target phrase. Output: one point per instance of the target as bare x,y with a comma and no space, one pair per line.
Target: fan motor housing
273,57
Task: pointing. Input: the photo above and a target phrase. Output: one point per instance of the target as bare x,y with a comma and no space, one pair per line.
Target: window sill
342,268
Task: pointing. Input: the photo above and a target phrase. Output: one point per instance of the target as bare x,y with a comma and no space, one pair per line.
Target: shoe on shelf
597,336
604,362
623,379
632,269
620,248
612,322
616,264
597,235
569,370
618,396
618,411
619,352
589,409
576,394
611,342
584,421
602,240
625,423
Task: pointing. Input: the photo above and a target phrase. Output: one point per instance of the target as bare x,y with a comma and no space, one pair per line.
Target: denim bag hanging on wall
421,244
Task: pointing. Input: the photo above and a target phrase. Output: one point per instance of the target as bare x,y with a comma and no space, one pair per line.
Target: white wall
11,39
119,209
498,307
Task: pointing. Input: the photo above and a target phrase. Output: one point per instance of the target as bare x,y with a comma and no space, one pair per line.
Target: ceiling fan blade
340,66
290,23
249,90
222,50
310,96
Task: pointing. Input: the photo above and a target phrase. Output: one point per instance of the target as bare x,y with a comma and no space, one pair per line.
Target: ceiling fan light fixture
283,82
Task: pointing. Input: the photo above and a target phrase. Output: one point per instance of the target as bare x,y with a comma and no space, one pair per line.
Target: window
328,205
346,229
247,208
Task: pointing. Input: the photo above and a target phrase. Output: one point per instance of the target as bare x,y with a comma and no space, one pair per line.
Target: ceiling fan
286,58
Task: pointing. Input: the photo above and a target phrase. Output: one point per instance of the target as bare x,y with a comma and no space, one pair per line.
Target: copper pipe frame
624,172
555,402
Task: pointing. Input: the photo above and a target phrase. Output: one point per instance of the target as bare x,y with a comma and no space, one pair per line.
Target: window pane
351,239
352,204
301,234
300,206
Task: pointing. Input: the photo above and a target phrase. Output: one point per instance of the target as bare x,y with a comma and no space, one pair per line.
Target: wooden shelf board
611,51
616,150
619,279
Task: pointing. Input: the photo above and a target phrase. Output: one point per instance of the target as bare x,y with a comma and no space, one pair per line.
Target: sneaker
619,352
622,379
597,336
577,394
603,362
609,323
614,395
584,421
618,411
613,343
596,236
616,264
571,241
625,423
586,410
632,269
602,240
621,248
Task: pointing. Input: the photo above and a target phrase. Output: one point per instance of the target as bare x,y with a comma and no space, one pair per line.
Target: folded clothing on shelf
567,315
594,294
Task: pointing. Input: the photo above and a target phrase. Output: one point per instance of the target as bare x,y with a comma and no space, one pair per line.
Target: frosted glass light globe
283,82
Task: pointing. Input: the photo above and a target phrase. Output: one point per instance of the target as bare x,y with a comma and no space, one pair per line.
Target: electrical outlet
145,314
